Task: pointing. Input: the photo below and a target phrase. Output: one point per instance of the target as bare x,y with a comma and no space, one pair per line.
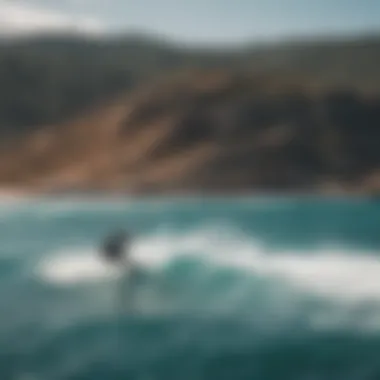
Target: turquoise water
229,289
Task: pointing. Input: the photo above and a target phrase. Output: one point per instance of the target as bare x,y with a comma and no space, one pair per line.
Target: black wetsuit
113,246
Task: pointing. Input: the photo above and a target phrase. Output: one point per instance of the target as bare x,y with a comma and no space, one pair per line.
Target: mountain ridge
208,131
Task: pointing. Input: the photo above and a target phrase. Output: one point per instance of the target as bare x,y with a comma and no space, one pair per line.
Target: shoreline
95,195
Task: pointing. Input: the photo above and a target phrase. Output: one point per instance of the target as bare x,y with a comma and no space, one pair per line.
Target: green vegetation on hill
48,80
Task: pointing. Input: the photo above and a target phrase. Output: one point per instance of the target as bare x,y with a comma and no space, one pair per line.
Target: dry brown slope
208,131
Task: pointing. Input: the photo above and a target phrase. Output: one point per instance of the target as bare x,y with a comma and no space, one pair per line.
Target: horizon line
146,35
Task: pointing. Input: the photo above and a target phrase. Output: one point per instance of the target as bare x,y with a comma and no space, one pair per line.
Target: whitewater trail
350,276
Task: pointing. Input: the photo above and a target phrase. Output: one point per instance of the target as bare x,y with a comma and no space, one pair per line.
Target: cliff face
208,131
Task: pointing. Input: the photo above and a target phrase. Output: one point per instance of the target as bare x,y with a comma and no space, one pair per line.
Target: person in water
116,248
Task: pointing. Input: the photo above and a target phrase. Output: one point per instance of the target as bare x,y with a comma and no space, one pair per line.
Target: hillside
50,80
209,130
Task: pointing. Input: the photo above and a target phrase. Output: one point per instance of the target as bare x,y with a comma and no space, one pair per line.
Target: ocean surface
250,288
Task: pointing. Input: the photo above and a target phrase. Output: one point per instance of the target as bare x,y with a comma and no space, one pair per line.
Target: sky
193,21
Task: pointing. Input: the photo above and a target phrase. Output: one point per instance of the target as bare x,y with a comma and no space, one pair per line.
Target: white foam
349,276
76,266
331,272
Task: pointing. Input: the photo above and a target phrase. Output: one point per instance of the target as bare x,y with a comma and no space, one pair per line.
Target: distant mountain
209,130
47,80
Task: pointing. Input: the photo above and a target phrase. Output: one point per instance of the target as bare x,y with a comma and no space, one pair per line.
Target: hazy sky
194,20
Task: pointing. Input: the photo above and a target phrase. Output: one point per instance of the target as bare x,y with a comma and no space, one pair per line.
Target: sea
264,288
